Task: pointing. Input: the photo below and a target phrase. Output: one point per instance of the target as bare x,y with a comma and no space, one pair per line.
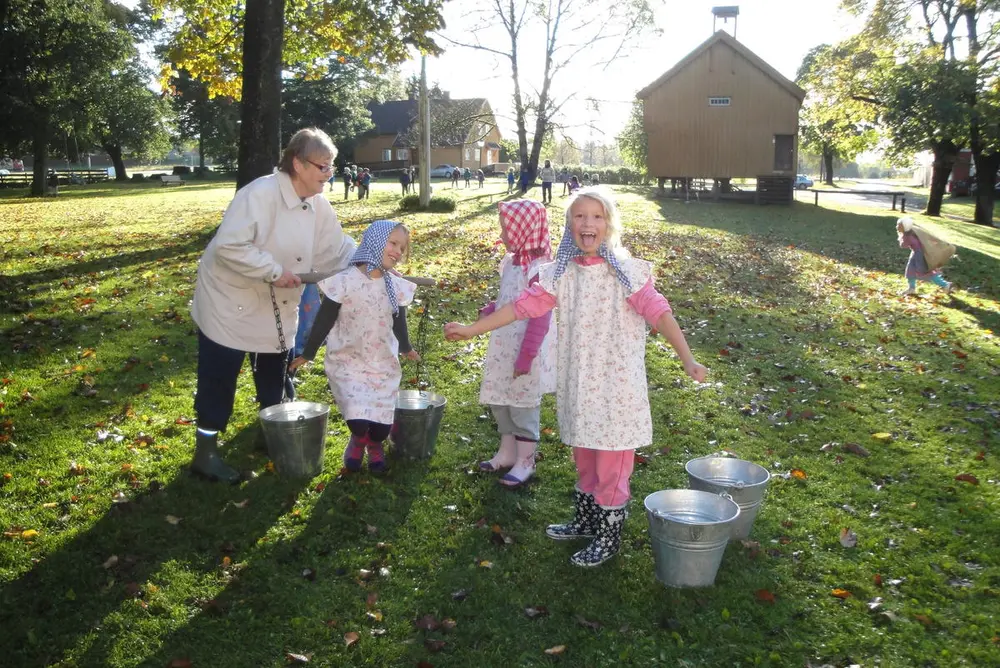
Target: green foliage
206,37
836,120
48,51
212,121
633,144
335,103
123,113
437,204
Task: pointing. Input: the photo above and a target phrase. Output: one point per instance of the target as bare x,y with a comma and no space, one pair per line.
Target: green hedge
438,204
610,175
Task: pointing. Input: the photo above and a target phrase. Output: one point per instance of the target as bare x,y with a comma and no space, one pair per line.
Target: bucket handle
726,495
301,418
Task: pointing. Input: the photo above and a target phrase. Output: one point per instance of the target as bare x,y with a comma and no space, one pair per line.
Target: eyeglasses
323,168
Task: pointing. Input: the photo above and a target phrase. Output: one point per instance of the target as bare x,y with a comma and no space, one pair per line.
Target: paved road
913,202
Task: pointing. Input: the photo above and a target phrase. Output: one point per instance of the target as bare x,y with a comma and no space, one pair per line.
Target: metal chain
281,342
422,340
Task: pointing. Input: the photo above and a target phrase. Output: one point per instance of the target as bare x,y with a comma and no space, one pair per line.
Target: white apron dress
362,353
601,397
500,387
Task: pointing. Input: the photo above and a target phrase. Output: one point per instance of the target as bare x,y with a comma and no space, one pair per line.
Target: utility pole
425,137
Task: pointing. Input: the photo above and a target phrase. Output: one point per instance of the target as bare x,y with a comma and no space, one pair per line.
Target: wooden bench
894,194
171,180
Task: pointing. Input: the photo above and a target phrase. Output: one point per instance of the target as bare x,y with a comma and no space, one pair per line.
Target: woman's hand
296,363
412,355
696,371
288,280
456,331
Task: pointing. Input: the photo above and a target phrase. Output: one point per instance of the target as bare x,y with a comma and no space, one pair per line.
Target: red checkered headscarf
527,225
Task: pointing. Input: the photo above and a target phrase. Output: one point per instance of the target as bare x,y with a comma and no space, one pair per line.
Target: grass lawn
878,417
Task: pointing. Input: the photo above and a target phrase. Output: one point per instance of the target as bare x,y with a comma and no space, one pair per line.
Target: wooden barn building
723,113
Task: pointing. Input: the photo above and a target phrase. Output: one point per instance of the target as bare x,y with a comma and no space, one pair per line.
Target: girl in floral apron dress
605,299
363,321
520,361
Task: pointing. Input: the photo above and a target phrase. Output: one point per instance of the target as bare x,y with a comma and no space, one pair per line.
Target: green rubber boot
207,462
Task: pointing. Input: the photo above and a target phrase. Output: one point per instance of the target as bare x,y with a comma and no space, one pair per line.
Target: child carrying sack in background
363,320
928,254
520,362
605,298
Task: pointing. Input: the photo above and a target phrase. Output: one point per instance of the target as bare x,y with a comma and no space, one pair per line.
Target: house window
718,101
468,154
386,154
784,152
489,157
479,154
402,154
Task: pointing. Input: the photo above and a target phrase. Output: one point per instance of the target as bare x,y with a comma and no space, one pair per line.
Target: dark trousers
546,188
347,190
376,431
218,369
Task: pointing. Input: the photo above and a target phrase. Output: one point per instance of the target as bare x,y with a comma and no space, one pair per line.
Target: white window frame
479,155
402,154
386,155
719,100
468,153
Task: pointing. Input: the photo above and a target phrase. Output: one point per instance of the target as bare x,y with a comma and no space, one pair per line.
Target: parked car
442,171
802,182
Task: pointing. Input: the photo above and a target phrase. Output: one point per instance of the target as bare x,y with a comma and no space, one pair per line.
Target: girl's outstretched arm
672,332
456,331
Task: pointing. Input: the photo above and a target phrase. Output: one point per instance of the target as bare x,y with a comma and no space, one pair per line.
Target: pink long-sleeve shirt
534,334
646,301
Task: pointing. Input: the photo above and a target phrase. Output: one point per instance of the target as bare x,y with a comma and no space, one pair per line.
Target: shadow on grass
16,284
110,189
69,594
314,581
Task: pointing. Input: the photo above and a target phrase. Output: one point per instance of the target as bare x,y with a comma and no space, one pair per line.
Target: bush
202,172
181,170
138,177
438,204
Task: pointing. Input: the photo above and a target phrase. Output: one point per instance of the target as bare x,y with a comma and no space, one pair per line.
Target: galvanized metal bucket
296,437
742,480
417,423
688,530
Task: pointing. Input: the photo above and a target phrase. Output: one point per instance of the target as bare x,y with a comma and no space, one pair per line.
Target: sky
779,31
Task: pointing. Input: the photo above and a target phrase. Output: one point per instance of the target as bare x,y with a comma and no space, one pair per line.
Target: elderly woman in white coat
277,226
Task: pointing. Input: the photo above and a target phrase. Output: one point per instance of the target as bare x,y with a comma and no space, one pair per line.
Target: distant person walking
564,180
510,180
547,174
525,179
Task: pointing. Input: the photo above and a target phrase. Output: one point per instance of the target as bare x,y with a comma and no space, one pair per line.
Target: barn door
784,153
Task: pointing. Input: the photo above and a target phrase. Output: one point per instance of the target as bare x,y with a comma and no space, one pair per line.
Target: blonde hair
305,144
905,223
603,197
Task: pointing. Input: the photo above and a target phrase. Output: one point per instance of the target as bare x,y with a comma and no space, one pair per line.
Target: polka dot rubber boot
584,522
608,541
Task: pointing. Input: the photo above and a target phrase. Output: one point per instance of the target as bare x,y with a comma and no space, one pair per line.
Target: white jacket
266,229
547,174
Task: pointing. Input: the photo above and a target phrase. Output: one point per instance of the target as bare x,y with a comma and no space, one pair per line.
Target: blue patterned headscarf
568,250
369,253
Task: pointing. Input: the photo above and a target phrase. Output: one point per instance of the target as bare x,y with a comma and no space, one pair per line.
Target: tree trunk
114,152
828,162
201,152
986,178
260,116
945,153
40,153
